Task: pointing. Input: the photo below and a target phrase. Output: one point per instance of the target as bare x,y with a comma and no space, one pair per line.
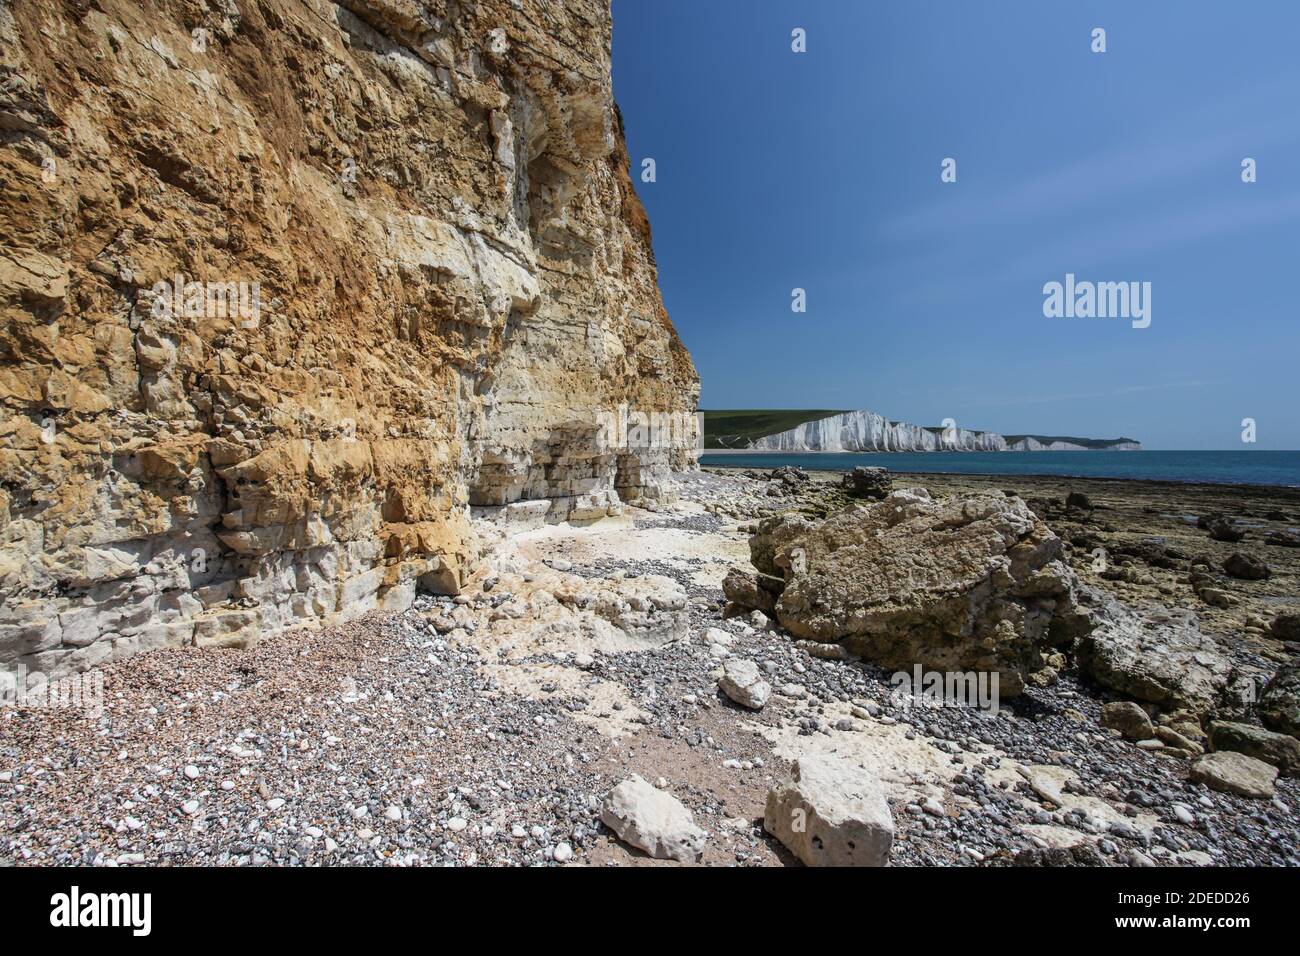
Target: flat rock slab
1231,772
1047,782
1280,750
1153,653
649,819
831,813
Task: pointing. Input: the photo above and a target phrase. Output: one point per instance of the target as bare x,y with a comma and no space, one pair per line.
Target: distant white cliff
865,431
1041,443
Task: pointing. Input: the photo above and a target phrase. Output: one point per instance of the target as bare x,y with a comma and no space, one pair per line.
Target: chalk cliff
288,286
1032,443
864,431
867,431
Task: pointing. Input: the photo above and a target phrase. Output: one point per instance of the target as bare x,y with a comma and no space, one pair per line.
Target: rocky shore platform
593,697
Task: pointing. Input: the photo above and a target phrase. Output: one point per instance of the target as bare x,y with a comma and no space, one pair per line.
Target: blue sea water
1217,467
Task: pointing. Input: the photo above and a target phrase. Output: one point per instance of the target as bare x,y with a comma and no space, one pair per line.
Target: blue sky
821,170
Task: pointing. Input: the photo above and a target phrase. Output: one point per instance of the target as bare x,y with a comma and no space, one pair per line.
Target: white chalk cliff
1030,443
865,431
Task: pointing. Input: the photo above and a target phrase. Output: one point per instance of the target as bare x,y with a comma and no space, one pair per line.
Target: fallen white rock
716,635
742,682
645,817
1045,784
831,813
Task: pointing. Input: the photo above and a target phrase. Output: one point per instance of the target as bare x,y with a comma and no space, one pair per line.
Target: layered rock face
287,288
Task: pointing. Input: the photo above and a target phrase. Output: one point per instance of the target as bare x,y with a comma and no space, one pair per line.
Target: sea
1215,467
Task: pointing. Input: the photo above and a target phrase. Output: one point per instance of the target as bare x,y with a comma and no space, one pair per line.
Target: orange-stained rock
288,291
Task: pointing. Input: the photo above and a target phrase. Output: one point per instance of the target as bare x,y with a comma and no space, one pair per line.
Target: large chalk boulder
831,813
1153,653
968,583
643,816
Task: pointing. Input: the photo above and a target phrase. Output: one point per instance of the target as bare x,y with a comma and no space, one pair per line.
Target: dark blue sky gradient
821,170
